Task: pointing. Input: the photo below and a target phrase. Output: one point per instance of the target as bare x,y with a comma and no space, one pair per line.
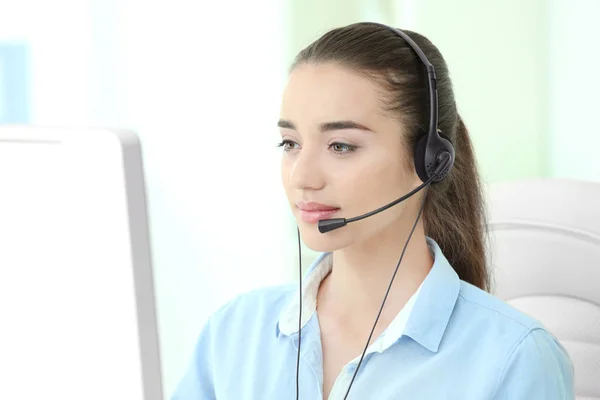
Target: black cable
299,318
388,291
401,199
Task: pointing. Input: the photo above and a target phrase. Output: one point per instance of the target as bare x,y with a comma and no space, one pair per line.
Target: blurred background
200,83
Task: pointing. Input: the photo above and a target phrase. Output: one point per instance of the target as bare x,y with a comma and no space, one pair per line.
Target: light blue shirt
451,341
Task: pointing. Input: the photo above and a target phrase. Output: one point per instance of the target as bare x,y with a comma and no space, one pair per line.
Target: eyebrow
327,126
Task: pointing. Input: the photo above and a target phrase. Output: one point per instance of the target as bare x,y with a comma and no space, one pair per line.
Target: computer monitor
77,308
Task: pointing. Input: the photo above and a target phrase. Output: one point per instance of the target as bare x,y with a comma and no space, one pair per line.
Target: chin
323,242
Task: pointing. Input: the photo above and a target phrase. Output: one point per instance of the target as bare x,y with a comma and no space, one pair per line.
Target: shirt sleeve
539,368
197,382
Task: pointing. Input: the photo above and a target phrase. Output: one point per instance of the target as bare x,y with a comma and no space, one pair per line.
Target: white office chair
545,261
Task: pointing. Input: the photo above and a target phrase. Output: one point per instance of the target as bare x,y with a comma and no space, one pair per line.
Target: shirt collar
433,309
288,320
424,317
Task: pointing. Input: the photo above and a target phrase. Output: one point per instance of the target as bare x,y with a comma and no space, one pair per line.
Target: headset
433,160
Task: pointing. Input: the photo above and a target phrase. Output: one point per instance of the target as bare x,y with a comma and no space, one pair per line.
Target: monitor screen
77,309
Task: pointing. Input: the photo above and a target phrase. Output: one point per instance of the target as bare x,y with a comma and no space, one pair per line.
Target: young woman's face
343,151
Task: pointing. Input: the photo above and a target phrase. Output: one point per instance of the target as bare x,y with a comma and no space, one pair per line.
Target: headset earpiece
427,156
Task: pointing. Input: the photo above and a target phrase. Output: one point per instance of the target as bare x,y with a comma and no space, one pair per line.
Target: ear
411,175
410,171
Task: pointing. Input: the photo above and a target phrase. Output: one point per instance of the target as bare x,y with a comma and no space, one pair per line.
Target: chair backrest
545,261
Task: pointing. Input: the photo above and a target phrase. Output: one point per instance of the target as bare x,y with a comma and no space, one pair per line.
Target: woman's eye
341,148
287,145
338,148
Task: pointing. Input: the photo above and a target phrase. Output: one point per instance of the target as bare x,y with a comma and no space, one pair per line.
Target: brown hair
454,214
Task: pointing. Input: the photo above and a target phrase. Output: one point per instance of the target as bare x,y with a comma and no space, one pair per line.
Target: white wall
574,103
200,82
60,53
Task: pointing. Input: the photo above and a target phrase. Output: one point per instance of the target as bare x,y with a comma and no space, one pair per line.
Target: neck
361,273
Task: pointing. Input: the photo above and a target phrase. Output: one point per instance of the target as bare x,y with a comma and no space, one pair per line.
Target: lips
312,212
314,206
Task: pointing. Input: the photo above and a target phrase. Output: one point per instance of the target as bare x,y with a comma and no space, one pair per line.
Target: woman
353,112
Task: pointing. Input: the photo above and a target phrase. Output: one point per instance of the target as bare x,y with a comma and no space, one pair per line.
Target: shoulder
493,309
487,321
480,319
247,318
256,308
545,363
519,344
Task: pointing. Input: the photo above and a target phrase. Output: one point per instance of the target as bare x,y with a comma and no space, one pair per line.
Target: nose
305,172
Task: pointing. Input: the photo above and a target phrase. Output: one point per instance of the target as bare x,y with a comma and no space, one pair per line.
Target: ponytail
455,215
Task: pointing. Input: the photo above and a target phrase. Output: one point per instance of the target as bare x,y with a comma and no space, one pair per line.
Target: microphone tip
327,225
